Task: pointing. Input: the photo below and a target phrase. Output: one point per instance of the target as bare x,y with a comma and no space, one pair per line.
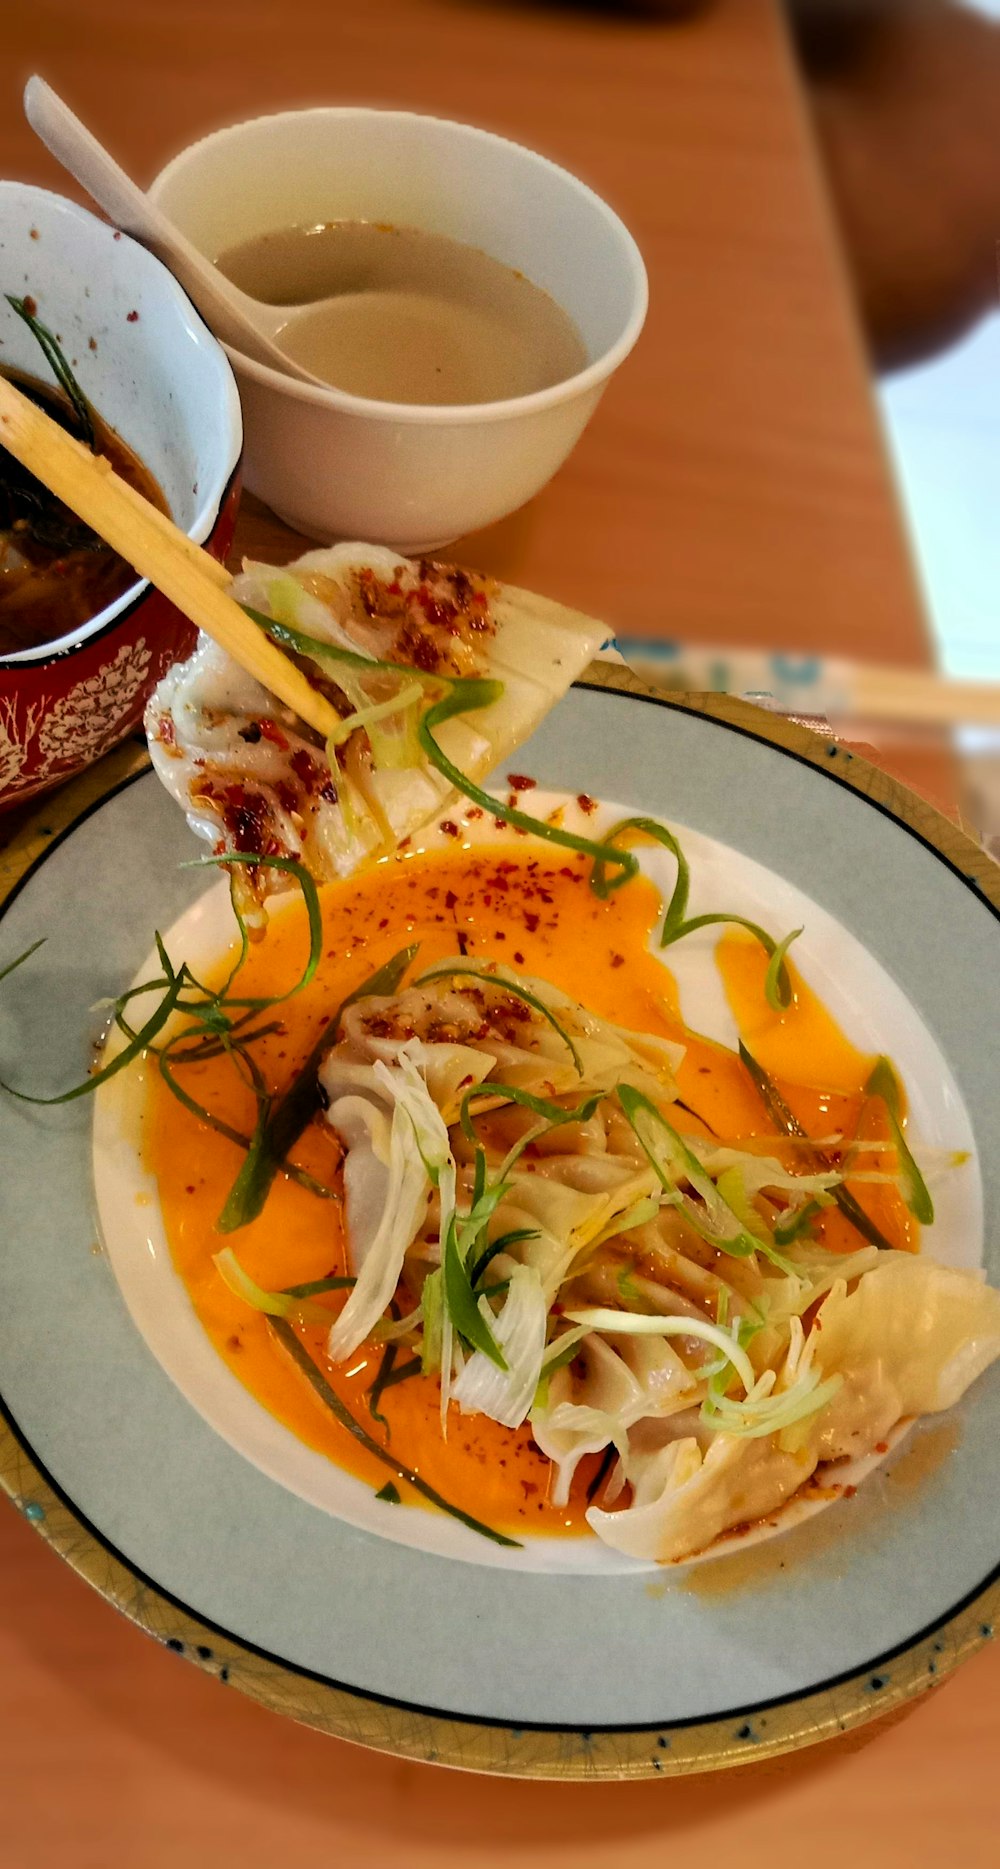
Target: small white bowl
413,475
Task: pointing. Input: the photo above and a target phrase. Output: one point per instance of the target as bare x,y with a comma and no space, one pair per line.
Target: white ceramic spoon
232,315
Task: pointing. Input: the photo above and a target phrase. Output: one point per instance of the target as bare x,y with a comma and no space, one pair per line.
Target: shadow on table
120,1678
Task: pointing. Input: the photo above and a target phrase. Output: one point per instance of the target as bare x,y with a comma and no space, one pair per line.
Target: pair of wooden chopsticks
198,585
157,549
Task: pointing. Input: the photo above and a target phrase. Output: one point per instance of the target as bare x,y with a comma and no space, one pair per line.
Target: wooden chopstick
807,684
157,549
920,698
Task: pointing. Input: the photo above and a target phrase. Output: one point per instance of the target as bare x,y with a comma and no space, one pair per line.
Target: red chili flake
384,923
189,1189
573,875
586,803
131,317
450,899
165,732
30,305
531,921
270,731
91,343
617,960
117,234
520,782
474,811
500,823
881,1447
519,957
849,1492
33,233
450,829
304,768
511,800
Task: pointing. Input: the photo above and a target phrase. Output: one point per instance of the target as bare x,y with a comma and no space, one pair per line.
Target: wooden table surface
733,488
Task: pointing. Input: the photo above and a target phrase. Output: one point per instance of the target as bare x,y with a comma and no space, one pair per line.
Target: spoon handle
222,305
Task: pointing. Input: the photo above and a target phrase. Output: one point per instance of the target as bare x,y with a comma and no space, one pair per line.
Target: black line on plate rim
299,1669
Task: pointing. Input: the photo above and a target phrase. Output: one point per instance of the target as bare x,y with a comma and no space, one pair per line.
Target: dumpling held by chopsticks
432,671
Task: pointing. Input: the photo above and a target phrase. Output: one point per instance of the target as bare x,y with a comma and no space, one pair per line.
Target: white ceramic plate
319,1607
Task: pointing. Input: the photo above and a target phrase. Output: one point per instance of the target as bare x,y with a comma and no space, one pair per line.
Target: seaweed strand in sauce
55,573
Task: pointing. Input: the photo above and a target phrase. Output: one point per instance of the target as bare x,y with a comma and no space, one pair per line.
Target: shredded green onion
295,1108
50,347
676,924
634,1324
271,1303
883,1083
314,1376
785,1120
13,965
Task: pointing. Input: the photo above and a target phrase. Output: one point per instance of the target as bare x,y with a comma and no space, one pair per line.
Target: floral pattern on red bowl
58,716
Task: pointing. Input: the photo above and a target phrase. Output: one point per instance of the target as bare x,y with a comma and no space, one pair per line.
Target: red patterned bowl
155,372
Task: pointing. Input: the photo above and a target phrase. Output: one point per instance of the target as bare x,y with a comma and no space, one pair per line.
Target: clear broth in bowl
409,316
55,573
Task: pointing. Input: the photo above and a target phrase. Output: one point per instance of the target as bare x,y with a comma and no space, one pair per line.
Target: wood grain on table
733,487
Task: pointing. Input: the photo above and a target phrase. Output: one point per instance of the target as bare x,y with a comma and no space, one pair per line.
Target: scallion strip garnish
235,1136
681,1163
291,867
295,1108
461,1299
797,1223
49,345
467,697
676,924
785,1120
314,1286
502,1243
13,965
509,1093
384,1375
883,1083
314,1376
402,1373
291,1303
607,1460
155,1023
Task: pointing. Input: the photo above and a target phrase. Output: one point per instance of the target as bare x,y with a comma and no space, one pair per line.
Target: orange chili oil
510,902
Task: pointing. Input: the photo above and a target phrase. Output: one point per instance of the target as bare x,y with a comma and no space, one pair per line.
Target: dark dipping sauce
55,573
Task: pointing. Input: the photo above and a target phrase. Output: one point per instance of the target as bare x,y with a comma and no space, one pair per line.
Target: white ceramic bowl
153,370
336,465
